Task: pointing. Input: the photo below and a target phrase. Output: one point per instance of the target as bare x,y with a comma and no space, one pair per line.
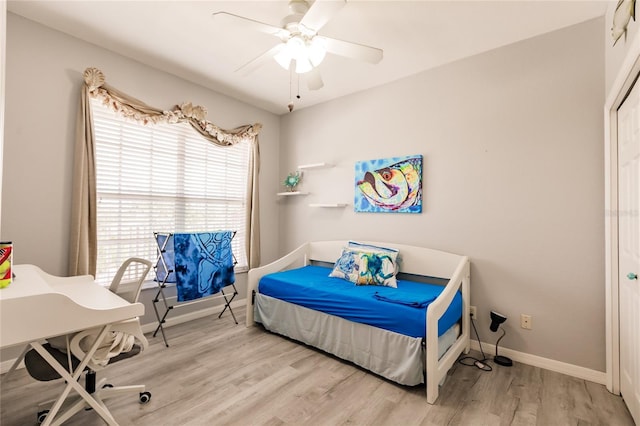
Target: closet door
629,249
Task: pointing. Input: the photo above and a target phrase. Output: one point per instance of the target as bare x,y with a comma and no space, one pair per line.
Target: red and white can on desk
6,261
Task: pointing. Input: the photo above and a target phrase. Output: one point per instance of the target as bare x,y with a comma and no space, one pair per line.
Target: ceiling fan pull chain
290,104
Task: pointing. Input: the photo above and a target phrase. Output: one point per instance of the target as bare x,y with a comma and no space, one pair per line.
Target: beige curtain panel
83,250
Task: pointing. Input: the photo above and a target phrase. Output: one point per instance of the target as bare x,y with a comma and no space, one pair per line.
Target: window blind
162,178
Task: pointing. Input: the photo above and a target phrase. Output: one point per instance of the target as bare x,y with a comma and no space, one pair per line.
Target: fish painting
389,185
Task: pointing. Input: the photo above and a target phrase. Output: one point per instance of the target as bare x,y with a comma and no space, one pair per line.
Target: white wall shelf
315,166
329,205
290,193
312,167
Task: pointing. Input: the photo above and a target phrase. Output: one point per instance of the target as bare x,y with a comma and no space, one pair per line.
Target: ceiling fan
301,48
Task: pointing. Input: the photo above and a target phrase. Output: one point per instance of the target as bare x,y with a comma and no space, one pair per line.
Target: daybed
386,348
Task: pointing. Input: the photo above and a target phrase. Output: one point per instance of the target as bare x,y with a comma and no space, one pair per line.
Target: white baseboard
595,376
150,327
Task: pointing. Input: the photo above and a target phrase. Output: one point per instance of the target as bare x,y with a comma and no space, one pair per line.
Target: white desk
37,305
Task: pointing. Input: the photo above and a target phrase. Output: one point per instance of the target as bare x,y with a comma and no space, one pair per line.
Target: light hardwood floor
216,372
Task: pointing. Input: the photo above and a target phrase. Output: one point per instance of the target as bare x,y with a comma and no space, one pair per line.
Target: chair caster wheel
145,397
41,416
107,385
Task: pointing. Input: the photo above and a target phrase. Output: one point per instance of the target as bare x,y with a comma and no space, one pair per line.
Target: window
162,178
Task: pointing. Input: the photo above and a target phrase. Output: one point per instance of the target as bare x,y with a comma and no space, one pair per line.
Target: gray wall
513,178
43,79
512,143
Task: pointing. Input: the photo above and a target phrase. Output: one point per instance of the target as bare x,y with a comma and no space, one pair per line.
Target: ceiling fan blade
353,50
252,24
256,63
320,13
314,81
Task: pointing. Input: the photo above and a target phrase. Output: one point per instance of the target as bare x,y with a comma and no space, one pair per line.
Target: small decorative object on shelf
292,180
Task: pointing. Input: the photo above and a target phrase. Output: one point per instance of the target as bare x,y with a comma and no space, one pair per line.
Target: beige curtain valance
134,109
83,242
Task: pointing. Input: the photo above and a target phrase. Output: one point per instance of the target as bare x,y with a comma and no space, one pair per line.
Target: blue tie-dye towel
203,263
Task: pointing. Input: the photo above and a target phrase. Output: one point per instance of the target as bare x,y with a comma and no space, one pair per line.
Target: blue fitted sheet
392,309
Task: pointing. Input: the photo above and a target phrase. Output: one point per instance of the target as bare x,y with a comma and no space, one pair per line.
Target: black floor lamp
496,320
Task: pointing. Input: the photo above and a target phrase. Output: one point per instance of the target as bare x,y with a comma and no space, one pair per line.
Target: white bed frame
413,260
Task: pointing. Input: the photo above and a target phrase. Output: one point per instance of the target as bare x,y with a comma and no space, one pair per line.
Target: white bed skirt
394,356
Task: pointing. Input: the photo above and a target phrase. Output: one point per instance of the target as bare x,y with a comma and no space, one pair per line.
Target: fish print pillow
394,253
377,268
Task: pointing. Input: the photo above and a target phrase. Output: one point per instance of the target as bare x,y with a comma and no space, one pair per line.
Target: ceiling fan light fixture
303,66
300,42
294,48
306,53
297,47
317,50
283,58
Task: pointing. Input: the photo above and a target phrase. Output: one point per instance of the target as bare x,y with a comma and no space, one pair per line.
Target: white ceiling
182,38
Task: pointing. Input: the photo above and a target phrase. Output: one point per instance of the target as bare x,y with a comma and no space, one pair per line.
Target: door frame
625,79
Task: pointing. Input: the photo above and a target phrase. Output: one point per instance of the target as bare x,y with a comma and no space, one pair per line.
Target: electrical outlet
525,321
472,311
